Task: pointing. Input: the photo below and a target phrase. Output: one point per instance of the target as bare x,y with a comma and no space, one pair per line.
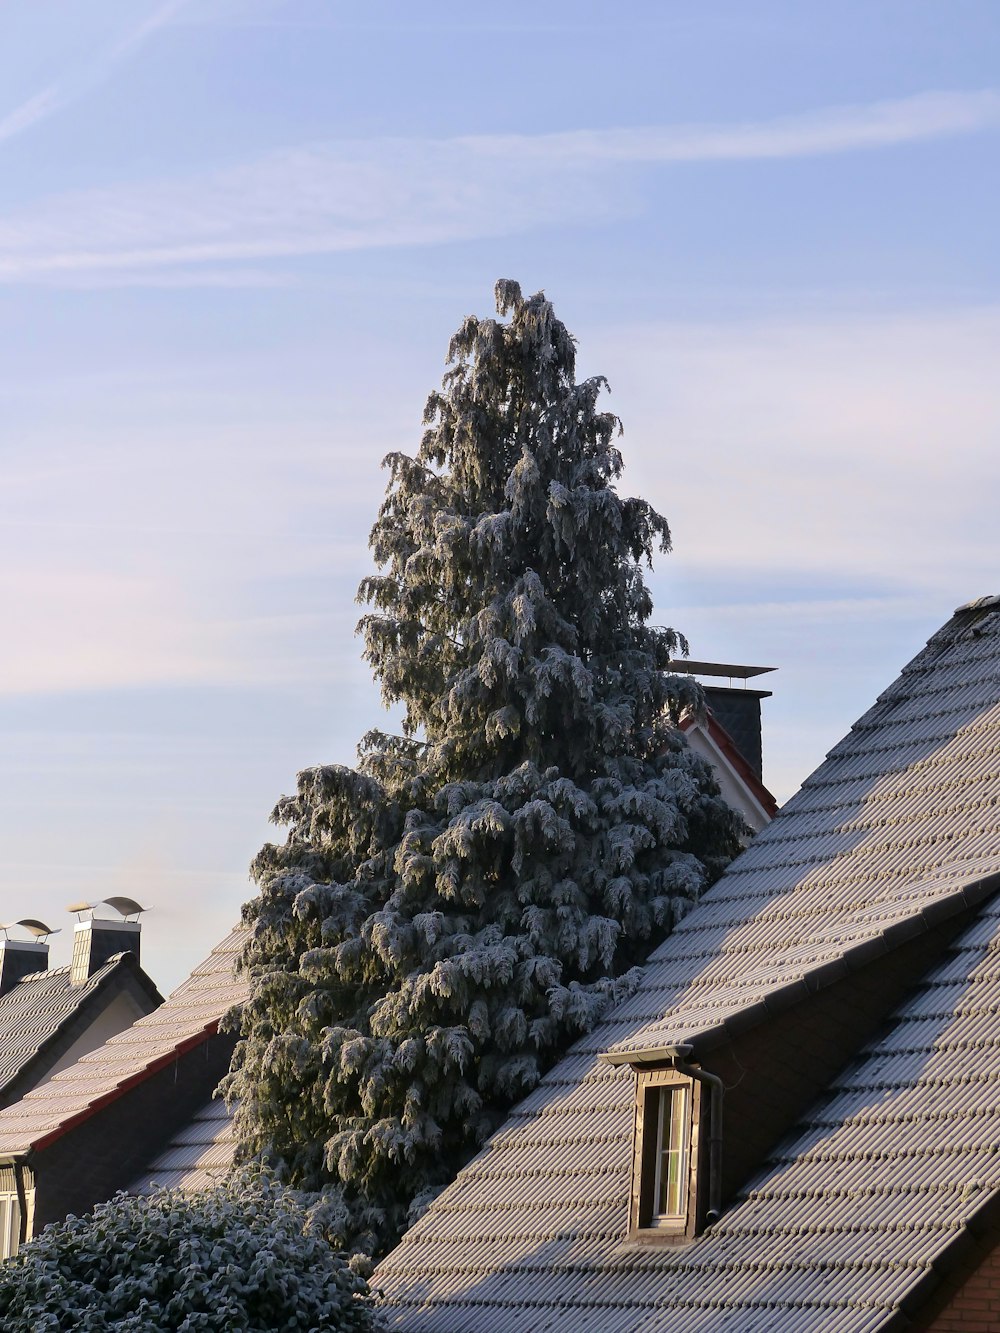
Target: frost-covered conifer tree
442,922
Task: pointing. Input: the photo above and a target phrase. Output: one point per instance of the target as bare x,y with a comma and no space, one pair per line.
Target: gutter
715,1086
22,1202
954,903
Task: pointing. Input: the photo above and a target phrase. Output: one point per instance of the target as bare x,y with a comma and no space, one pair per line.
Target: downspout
22,1202
678,1059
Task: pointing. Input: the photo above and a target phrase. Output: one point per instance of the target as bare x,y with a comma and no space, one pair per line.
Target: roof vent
20,958
96,939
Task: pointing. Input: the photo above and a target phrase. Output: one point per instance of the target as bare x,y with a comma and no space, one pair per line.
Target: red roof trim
140,1076
735,759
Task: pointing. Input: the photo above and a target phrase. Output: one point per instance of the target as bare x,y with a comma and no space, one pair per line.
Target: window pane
670,1185
10,1225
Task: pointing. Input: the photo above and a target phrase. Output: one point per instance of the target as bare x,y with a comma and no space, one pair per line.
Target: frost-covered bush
236,1257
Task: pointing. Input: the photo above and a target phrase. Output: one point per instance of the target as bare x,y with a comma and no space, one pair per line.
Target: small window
673,1146
10,1225
666,1170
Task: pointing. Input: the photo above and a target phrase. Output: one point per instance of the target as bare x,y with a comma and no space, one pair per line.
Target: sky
235,238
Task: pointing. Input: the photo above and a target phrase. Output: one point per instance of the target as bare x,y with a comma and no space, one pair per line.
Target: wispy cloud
855,448
161,16
63,92
843,129
325,198
36,108
174,279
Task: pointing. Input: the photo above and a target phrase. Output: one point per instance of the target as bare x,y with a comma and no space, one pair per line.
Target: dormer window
665,1174
10,1225
677,1157
671,1184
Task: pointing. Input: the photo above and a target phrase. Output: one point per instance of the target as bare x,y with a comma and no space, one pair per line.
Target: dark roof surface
35,1012
186,1019
882,1177
199,1154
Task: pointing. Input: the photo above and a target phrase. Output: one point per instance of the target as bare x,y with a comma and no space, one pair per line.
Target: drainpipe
22,1203
679,1061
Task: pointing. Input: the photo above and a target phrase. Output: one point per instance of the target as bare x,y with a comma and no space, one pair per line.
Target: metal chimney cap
126,906
37,928
688,666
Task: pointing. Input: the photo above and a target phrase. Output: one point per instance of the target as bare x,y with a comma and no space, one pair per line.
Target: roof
43,1006
199,1153
883,1177
185,1020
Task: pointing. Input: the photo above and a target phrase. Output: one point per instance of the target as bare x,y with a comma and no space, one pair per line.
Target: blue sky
235,236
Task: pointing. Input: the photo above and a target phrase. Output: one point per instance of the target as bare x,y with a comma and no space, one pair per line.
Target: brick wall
974,1306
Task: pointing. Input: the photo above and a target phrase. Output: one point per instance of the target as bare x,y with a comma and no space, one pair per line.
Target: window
10,1225
673,1146
666,1205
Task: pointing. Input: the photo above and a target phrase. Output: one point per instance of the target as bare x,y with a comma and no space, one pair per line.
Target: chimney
20,958
736,708
96,939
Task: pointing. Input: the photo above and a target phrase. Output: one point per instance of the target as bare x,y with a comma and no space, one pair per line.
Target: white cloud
831,130
345,196
93,630
863,448
35,108
141,33
66,90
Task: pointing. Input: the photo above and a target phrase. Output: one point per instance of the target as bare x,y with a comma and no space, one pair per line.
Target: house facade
97,1125
792,1124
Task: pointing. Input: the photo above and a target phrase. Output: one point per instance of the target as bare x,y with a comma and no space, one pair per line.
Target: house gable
46,1022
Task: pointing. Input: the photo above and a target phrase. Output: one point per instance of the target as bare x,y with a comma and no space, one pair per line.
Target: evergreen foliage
443,922
241,1256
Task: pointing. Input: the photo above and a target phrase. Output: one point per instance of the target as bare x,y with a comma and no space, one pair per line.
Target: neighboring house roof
44,1014
186,1019
198,1155
756,803
853,1218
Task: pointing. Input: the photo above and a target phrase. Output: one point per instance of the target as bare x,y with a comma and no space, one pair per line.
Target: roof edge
733,756
978,604
50,1135
936,1283
828,970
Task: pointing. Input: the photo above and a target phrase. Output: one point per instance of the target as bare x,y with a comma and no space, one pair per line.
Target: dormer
765,1049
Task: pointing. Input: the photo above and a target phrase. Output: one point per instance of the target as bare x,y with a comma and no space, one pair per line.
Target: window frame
10,1224
646,1226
